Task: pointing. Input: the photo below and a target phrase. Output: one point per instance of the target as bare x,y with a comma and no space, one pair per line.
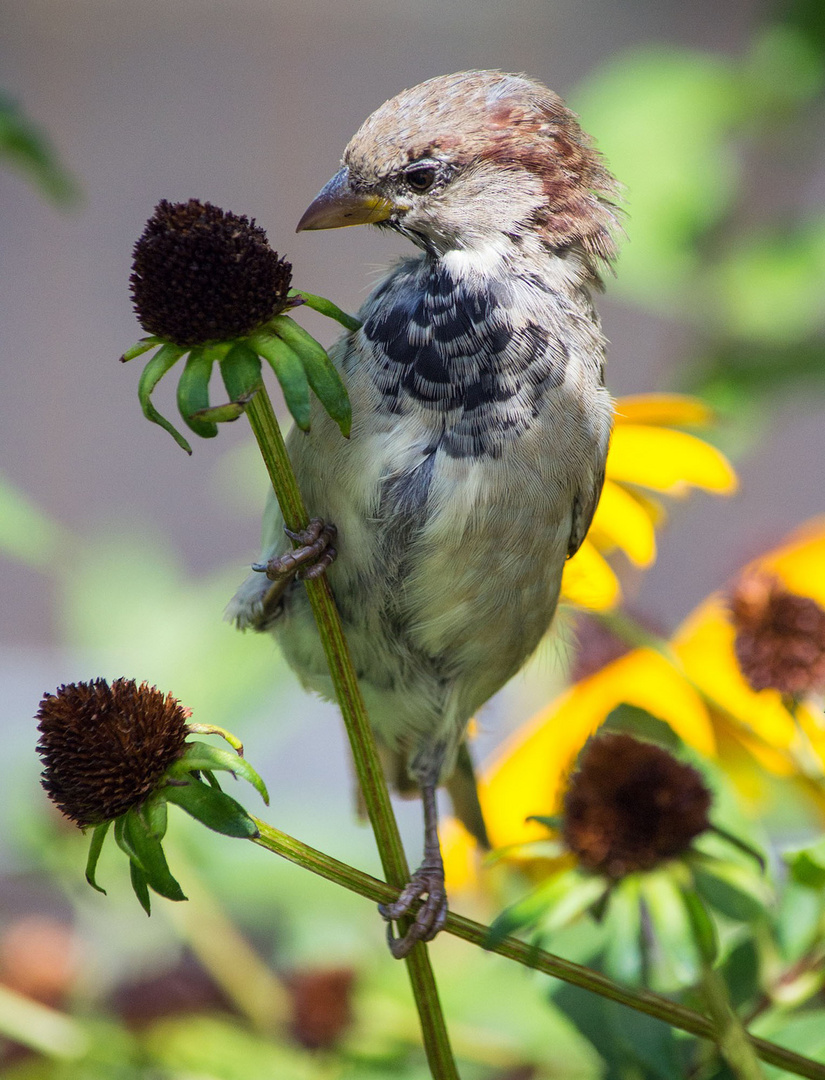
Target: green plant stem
368,769
662,1008
733,1041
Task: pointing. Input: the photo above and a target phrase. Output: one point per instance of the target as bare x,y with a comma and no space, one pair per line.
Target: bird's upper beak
337,205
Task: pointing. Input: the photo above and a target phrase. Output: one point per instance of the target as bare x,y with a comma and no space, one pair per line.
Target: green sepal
213,729
219,414
148,854
139,348
213,808
138,879
623,947
211,779
154,814
241,371
734,890
193,393
555,903
326,307
199,757
321,372
554,821
290,373
98,836
678,960
704,932
165,358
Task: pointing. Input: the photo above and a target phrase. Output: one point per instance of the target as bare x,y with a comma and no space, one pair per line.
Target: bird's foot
428,880
315,552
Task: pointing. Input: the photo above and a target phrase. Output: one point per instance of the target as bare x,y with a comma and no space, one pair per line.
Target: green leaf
220,414
98,836
623,953
199,756
554,821
24,146
555,903
732,889
193,393
213,808
326,307
677,959
321,372
139,348
148,854
704,932
290,372
164,359
807,869
139,885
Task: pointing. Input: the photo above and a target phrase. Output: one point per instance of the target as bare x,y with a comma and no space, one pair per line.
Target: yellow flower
693,683
647,451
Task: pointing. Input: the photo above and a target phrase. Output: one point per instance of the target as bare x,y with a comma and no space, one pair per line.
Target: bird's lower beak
337,205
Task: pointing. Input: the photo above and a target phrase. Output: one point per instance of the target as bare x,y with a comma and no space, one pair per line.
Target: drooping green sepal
193,393
146,850
201,757
326,307
98,836
241,371
213,808
320,371
164,359
289,371
140,886
139,348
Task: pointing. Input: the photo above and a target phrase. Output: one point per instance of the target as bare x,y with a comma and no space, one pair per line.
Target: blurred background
118,552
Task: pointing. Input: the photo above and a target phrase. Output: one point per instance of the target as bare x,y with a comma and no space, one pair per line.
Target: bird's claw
315,552
428,880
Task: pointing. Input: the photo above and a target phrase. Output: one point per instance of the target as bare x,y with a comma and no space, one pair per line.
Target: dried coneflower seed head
104,748
201,274
780,636
631,805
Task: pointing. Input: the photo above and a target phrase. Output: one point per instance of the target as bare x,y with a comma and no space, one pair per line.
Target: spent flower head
201,274
118,754
631,805
780,636
206,282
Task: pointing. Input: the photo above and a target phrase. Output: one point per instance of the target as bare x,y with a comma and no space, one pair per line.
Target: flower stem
370,775
733,1041
662,1008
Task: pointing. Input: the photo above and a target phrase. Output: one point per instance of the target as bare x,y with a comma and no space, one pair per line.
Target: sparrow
480,427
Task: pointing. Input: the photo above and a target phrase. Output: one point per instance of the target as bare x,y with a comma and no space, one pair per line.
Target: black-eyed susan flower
693,682
207,286
649,457
117,754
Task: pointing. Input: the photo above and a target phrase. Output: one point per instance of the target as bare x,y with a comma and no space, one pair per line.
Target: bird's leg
428,880
309,560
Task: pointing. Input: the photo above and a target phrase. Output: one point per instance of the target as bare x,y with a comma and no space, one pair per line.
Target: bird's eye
421,178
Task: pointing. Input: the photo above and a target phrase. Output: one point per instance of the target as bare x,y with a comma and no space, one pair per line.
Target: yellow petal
664,410
621,521
800,562
667,460
588,581
526,775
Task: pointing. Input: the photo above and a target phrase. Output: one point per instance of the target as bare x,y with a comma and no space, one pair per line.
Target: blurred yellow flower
647,451
693,683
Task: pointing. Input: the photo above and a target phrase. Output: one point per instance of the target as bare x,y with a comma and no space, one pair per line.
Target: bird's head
474,161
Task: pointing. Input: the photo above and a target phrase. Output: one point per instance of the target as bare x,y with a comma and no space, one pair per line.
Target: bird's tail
463,792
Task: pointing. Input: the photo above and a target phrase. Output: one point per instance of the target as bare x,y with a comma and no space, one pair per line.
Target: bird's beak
337,205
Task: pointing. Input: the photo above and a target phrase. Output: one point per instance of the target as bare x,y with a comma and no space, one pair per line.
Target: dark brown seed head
201,274
780,636
104,748
631,805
